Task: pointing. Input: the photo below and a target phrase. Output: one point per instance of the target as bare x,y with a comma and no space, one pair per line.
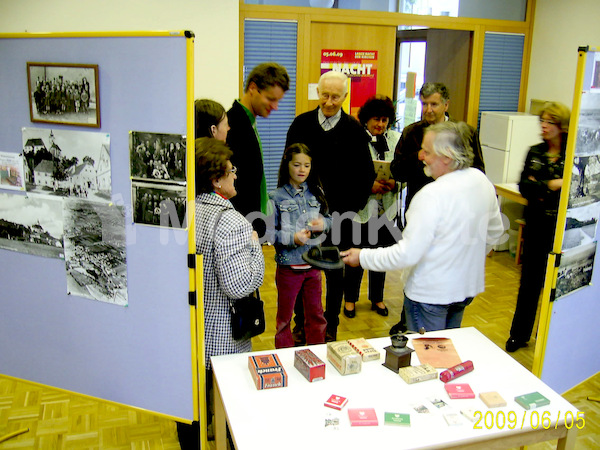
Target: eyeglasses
334,98
233,170
549,122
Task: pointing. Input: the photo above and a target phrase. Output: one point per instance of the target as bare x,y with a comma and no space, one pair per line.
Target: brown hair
211,162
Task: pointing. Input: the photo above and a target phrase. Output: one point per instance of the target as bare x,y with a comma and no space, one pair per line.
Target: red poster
360,66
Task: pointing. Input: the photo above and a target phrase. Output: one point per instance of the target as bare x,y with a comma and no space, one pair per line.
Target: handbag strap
218,218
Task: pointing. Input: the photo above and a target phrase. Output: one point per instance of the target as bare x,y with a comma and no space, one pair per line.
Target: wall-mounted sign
361,68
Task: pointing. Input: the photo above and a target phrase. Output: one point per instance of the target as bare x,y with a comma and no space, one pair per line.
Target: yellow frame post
553,260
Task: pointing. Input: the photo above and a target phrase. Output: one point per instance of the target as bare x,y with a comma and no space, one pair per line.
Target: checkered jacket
233,267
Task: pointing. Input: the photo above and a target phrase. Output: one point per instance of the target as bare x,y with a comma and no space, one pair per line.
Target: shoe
381,311
398,329
512,345
329,336
350,314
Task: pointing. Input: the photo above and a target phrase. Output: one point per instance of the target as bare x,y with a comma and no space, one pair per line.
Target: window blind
273,41
501,72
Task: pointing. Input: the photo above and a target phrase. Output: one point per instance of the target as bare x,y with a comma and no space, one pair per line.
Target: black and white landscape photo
95,251
65,163
32,225
581,226
576,269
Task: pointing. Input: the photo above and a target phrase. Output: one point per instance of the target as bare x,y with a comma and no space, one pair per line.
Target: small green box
392,418
532,400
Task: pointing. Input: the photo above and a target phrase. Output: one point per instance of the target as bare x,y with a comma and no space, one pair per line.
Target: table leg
220,421
567,442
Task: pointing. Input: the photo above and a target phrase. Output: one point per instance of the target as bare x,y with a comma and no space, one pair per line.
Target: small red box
362,417
267,371
459,390
309,365
336,402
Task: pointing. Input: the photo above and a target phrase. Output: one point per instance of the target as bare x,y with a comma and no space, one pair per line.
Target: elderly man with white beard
451,225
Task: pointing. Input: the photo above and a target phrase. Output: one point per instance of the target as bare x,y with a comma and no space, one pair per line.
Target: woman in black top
541,183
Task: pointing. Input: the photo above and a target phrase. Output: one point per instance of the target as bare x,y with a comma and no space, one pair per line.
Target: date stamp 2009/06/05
514,420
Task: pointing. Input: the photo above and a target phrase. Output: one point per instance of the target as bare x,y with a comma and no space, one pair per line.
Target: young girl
300,210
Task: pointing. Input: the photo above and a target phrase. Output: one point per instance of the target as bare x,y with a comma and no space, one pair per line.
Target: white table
293,417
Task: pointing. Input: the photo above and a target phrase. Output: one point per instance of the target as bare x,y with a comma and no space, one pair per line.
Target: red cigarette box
309,365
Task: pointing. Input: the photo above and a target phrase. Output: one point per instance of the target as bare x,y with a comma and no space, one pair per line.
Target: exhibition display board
94,240
568,314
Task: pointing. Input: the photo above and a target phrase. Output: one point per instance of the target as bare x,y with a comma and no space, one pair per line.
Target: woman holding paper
377,218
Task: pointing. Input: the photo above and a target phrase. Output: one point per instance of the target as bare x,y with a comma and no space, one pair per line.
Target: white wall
214,23
560,28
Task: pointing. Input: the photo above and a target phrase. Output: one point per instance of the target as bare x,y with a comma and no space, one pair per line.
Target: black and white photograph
67,163
32,225
163,205
12,176
157,156
576,269
64,93
585,181
588,132
95,251
581,226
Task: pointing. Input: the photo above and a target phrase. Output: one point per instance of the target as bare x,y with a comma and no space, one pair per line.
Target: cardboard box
364,349
309,365
344,358
267,371
416,374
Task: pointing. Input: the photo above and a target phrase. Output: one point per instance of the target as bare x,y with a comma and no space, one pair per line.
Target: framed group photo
64,93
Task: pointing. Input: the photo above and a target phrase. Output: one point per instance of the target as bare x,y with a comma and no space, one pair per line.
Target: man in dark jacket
264,88
342,160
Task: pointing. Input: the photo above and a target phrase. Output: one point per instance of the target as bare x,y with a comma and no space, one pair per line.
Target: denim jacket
293,210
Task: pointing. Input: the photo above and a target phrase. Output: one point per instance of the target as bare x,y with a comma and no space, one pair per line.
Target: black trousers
538,240
384,237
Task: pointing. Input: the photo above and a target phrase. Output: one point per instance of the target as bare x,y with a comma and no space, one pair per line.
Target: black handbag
247,317
247,313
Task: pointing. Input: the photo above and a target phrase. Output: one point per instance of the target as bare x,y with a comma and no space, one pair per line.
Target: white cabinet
505,140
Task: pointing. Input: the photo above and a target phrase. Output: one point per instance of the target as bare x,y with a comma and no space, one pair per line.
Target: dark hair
268,74
211,162
313,181
208,113
377,106
435,88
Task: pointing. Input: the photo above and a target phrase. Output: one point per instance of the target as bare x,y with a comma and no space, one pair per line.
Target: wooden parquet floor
59,420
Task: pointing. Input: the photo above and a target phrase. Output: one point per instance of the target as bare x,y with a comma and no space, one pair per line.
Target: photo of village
32,225
67,163
95,251
576,269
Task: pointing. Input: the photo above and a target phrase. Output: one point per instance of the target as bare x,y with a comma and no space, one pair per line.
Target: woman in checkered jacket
233,262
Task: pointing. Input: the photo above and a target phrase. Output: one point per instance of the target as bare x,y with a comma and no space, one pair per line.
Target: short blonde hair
559,113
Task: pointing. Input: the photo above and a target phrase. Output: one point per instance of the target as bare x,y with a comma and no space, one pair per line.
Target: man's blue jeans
434,317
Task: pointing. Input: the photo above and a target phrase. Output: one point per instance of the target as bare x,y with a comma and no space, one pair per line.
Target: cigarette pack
362,417
309,365
492,399
532,400
415,374
364,349
344,358
459,390
392,418
336,402
267,371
